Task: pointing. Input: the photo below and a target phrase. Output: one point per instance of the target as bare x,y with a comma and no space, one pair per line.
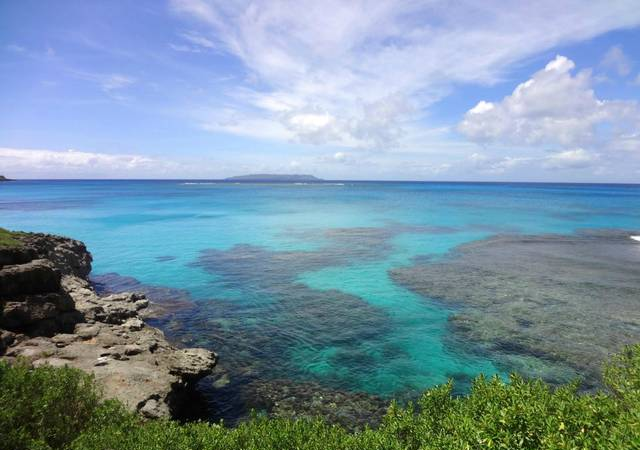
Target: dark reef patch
551,306
286,348
273,334
256,342
282,336
352,410
165,258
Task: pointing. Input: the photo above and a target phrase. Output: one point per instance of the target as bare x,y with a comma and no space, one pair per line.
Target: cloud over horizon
557,109
79,164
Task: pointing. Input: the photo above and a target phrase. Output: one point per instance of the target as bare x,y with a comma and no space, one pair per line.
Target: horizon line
322,180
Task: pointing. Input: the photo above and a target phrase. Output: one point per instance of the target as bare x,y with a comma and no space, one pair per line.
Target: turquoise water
291,280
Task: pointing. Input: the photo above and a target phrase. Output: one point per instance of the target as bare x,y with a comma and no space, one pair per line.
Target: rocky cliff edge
50,314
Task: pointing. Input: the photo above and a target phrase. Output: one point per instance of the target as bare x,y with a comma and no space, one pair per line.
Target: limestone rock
34,277
50,314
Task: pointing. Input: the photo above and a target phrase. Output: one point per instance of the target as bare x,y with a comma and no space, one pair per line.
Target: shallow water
293,281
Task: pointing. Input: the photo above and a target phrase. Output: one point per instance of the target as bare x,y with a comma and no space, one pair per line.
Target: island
3,178
274,178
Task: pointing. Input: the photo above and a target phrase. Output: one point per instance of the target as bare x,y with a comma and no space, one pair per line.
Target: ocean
385,288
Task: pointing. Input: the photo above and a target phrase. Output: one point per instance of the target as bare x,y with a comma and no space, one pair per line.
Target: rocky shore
50,314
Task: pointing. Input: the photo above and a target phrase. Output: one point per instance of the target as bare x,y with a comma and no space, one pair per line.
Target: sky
385,90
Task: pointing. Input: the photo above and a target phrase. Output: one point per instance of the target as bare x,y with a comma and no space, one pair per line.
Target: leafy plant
49,408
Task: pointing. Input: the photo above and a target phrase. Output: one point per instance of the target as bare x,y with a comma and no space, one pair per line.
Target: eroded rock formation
50,314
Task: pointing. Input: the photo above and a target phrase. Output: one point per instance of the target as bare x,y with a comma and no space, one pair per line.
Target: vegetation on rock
9,239
59,408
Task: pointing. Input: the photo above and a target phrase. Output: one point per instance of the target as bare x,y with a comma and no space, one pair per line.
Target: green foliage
48,408
44,408
9,239
622,375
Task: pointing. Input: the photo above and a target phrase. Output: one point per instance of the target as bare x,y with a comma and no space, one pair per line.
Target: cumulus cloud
554,107
360,73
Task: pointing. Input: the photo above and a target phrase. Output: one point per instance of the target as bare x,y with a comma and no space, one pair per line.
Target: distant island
269,178
3,178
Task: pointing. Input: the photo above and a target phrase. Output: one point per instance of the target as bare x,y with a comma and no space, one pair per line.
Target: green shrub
59,408
44,408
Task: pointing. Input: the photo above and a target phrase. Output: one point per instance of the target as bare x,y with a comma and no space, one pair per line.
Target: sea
293,282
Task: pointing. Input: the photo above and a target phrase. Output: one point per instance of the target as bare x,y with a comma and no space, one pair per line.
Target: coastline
51,315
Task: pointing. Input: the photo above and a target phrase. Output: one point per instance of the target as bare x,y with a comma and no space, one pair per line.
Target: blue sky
422,90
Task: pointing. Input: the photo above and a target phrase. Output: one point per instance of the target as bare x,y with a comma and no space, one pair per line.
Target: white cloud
374,66
338,159
339,156
617,61
552,107
115,81
496,165
72,163
199,40
194,43
570,159
234,122
567,159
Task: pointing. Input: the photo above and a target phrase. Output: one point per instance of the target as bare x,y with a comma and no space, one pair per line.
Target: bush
521,414
46,407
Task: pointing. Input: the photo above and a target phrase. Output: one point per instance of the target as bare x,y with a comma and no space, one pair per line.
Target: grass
9,239
60,408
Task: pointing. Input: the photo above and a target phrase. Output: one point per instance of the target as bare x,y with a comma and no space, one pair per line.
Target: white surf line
635,238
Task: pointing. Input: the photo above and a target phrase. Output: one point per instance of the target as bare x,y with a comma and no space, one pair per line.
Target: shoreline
52,315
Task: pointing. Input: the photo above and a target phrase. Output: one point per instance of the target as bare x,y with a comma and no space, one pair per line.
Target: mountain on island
269,178
3,178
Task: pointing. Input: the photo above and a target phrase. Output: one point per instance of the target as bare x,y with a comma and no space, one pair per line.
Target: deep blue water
294,277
